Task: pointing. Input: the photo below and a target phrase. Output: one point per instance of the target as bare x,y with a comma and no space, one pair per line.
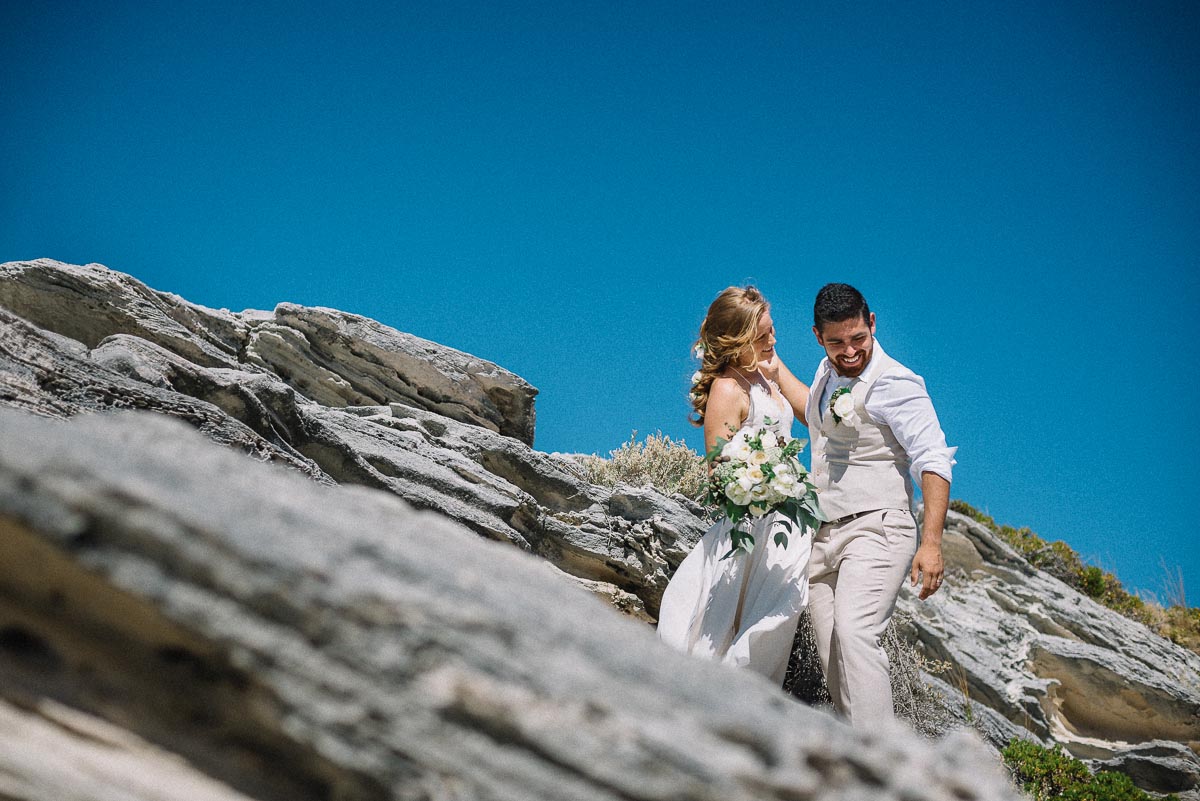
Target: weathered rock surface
332,357
1059,665
432,434
344,400
221,629
341,359
52,375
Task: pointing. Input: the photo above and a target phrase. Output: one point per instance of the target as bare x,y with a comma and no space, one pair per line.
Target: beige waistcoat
857,467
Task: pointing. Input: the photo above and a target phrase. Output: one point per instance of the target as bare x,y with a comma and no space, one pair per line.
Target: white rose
743,479
784,483
698,351
758,458
737,449
755,474
843,407
735,493
696,377
759,493
769,440
757,510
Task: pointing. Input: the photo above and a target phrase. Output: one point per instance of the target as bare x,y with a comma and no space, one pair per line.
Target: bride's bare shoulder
727,386
727,397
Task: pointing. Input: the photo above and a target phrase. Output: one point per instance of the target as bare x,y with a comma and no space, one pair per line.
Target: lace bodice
764,405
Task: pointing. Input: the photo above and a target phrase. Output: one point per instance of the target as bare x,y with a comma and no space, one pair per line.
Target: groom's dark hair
838,302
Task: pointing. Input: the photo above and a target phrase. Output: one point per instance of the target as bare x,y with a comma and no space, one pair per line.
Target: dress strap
745,378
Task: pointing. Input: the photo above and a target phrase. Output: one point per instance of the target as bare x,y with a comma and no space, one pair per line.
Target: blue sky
563,188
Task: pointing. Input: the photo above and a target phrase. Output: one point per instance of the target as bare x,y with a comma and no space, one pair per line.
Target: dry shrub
924,707
659,461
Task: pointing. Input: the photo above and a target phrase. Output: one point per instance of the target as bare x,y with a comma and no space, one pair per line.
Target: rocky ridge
342,400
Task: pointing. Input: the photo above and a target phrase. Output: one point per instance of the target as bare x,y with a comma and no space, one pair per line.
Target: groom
874,431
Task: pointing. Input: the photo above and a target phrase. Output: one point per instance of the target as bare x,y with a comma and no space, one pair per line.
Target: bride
742,610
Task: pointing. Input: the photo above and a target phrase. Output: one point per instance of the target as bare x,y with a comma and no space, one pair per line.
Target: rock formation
177,621
1057,666
173,614
443,430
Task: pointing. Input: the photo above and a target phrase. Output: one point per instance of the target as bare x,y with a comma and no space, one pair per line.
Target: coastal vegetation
1048,774
658,461
1173,619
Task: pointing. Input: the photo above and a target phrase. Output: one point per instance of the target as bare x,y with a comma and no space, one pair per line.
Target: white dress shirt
900,401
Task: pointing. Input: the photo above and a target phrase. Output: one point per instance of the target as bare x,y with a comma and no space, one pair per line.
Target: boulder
330,356
52,375
91,302
204,620
341,359
1055,663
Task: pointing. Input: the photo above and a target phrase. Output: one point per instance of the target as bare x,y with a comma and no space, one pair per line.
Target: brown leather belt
848,518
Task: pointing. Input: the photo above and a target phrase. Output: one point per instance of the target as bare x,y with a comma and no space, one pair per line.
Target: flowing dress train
742,610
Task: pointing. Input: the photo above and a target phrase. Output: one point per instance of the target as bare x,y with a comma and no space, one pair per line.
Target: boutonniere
841,406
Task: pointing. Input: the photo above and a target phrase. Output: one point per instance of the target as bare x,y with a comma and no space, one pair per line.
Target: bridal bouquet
756,473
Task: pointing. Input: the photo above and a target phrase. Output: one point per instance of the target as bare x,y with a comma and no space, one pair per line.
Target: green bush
1043,773
1047,774
1092,581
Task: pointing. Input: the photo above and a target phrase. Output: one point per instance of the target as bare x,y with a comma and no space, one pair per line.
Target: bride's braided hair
730,326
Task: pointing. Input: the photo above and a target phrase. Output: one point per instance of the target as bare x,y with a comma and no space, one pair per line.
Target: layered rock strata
1055,666
177,621
341,399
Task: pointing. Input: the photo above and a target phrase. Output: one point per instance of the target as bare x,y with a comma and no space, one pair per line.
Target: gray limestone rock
629,537
330,356
52,375
341,359
1053,662
89,303
342,399
246,632
1160,766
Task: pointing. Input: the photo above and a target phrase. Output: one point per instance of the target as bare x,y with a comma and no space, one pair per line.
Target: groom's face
848,344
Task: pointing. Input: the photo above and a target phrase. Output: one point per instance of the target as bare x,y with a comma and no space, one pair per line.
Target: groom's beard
855,370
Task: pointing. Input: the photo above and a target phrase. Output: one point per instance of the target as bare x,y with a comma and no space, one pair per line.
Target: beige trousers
855,574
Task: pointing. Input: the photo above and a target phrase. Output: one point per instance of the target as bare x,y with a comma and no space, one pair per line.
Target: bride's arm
728,406
793,389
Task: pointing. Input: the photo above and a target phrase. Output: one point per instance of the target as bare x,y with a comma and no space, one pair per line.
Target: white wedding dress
743,610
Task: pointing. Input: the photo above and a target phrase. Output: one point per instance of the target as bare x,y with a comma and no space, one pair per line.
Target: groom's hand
770,367
928,565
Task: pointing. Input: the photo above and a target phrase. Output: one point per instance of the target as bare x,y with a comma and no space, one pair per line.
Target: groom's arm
794,390
901,402
928,560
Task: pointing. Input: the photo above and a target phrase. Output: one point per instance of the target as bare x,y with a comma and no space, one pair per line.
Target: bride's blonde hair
729,328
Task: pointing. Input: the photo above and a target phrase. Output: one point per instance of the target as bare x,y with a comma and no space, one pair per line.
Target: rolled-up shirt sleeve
901,402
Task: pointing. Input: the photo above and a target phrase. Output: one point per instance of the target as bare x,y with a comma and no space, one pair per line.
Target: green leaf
741,539
715,450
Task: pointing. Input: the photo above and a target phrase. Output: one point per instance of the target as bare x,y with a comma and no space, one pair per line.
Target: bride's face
763,347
